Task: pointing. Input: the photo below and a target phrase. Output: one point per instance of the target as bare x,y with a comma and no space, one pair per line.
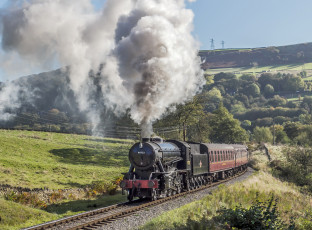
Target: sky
249,23
246,23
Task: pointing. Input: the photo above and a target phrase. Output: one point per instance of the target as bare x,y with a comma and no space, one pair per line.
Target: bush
296,169
105,187
26,198
261,215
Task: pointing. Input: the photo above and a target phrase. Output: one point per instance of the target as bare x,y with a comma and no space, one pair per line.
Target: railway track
100,217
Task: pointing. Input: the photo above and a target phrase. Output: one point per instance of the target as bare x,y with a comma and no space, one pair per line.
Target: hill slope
280,55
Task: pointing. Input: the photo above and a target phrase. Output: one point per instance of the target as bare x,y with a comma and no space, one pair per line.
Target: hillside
249,92
291,204
46,176
266,56
59,161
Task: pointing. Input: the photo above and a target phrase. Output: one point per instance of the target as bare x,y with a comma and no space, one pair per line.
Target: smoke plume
141,51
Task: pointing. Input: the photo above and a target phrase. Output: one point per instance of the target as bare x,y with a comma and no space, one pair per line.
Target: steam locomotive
163,168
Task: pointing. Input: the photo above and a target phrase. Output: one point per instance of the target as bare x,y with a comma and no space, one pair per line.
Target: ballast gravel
141,217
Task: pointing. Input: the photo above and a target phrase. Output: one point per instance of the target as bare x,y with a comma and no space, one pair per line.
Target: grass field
262,185
58,161
260,69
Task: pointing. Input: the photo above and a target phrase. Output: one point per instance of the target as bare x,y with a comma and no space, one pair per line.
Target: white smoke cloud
144,50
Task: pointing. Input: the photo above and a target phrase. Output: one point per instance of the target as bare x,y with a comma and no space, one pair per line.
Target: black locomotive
163,168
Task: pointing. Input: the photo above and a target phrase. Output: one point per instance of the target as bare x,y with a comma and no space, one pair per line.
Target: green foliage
297,168
255,113
238,108
246,124
252,90
307,103
292,129
281,82
211,99
267,121
260,215
262,134
224,128
277,101
281,137
268,90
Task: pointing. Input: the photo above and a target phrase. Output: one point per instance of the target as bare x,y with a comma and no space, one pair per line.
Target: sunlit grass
262,69
57,161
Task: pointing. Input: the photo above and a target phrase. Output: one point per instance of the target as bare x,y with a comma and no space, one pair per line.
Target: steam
142,51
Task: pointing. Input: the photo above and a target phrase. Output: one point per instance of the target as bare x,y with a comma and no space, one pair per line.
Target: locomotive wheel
154,195
188,186
130,196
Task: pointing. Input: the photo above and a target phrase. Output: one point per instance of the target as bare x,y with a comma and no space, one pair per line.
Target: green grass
58,161
16,216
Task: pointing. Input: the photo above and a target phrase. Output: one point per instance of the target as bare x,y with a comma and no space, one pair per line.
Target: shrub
26,198
296,169
104,187
261,215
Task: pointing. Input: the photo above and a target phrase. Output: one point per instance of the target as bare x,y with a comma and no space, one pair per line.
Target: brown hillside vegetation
281,55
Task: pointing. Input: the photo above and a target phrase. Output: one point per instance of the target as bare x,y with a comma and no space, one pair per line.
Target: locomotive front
143,155
149,160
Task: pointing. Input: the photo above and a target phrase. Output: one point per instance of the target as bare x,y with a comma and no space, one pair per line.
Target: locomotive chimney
146,139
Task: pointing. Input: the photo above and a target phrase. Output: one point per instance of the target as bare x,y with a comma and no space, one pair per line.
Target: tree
280,135
238,107
211,99
248,78
307,103
199,131
224,128
189,114
253,90
268,90
277,101
292,83
292,129
246,124
262,134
